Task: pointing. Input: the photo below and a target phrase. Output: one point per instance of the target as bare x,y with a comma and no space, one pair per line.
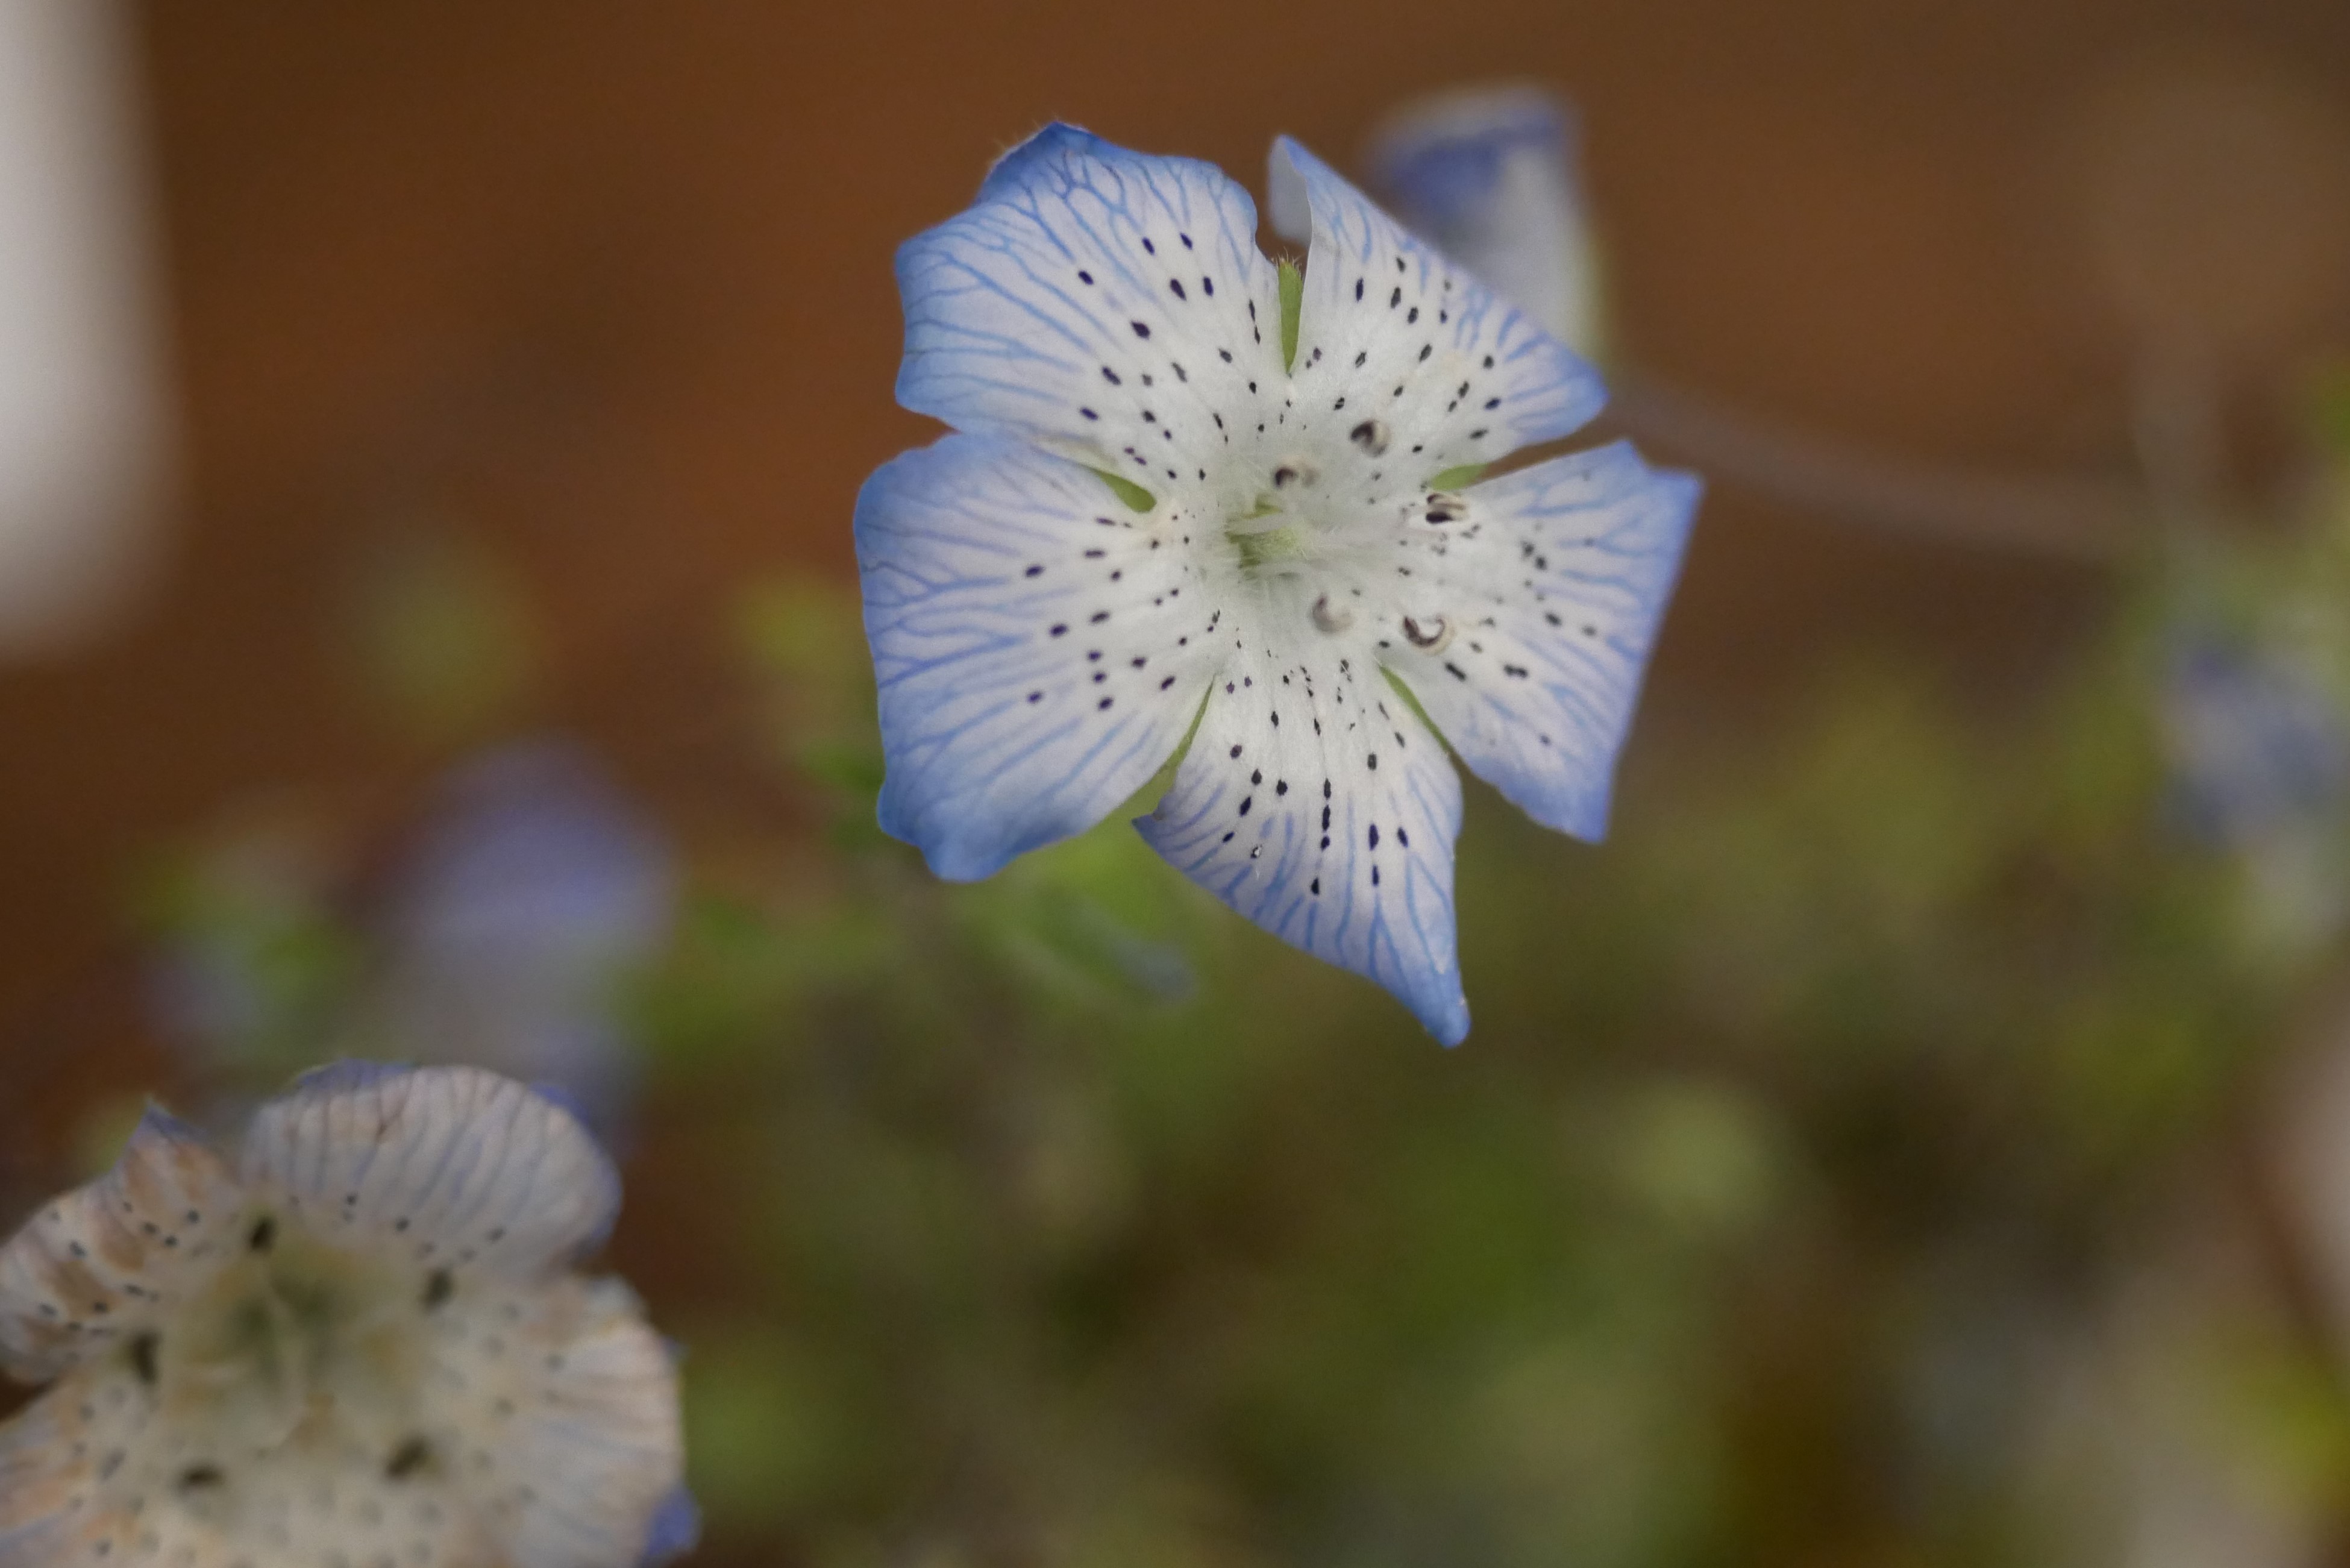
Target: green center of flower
295,1343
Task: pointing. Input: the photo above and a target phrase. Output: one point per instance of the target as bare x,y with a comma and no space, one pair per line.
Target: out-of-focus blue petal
1554,582
677,1530
2256,744
534,886
1315,803
1039,647
1391,332
1489,175
531,846
1088,286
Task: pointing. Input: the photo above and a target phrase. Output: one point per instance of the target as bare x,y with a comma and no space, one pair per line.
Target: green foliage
1087,1223
2329,401
260,965
1062,1218
445,641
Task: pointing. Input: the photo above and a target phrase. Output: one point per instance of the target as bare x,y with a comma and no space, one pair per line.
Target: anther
1443,506
1371,435
1290,473
1332,618
1433,638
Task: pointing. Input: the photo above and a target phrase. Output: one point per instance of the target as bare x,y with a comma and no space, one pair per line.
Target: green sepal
1125,490
1145,801
1293,298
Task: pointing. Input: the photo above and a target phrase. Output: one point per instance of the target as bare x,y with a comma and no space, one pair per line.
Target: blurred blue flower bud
533,887
2255,744
1489,174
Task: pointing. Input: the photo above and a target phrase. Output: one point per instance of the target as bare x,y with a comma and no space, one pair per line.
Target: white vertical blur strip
83,407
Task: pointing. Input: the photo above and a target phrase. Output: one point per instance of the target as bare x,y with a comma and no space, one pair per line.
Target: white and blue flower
1489,174
358,1339
1315,547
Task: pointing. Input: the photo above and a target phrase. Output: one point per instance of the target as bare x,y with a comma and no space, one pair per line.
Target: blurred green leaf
446,643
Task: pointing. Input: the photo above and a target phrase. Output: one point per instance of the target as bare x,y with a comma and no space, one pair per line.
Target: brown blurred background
608,287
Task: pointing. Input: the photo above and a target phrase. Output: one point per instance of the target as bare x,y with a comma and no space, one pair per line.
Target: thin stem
2065,517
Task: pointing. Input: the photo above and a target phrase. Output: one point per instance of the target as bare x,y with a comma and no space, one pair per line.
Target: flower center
296,1346
1278,535
1340,564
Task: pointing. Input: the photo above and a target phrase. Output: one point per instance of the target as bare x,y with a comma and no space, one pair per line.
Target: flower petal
39,1482
1488,174
1039,645
1315,803
110,1259
676,1530
1391,334
104,1468
1550,591
595,1448
452,1166
69,1472
1108,305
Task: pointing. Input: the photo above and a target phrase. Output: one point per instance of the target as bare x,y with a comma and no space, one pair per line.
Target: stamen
1434,638
1332,618
1270,521
1371,435
1446,507
1293,473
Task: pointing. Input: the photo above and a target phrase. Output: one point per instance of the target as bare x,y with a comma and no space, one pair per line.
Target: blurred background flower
502,931
533,892
1490,175
309,1343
